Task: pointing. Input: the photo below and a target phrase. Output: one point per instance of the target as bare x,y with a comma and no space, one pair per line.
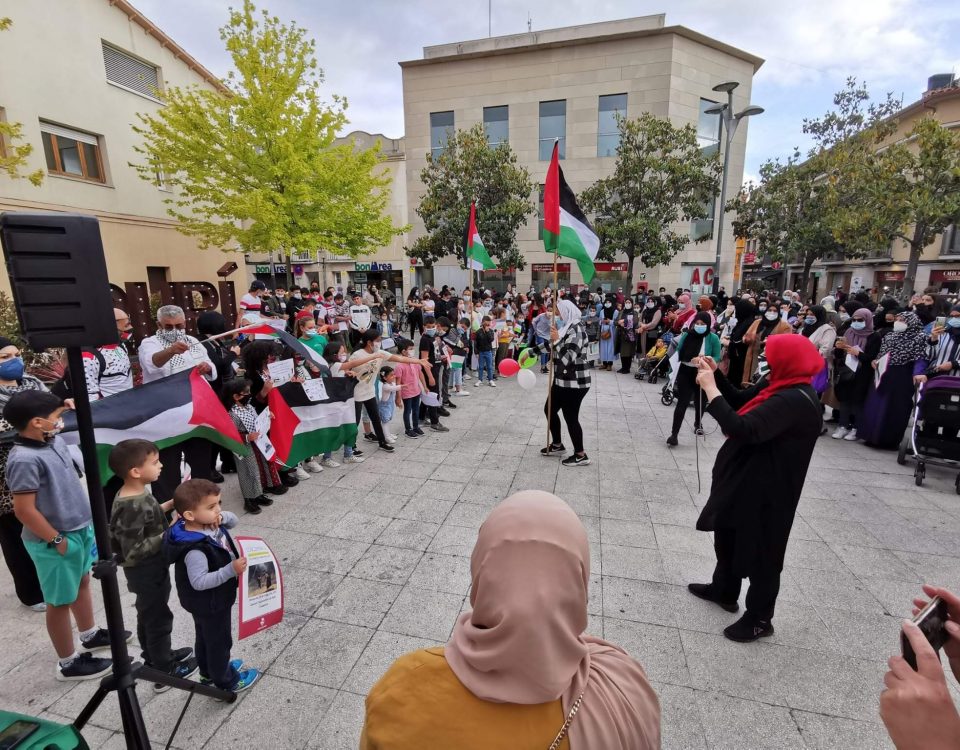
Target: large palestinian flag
477,256
165,412
302,427
566,230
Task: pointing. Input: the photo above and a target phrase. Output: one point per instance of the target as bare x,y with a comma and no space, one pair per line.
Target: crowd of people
766,366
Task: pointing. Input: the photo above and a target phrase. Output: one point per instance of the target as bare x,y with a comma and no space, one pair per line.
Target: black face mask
244,400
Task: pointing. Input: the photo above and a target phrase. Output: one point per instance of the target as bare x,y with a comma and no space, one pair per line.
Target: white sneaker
493,384
353,460
852,435
302,473
460,393
391,438
312,466
40,607
840,433
467,376
329,463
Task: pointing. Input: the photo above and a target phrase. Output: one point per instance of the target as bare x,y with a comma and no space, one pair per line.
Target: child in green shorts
49,500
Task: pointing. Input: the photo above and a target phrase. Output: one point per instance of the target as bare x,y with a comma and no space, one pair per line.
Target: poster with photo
261,587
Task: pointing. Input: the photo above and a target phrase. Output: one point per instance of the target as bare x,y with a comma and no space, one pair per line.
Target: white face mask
771,315
899,326
342,357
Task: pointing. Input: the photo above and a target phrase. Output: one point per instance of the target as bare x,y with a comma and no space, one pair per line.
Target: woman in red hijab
771,428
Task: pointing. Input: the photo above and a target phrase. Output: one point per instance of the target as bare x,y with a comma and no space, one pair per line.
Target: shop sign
416,262
620,267
548,267
696,276
749,259
277,268
372,266
885,276
950,274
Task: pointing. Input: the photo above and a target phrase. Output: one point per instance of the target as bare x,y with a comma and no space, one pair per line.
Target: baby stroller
652,369
935,434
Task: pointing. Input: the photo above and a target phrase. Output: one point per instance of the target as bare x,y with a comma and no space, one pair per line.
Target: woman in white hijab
571,381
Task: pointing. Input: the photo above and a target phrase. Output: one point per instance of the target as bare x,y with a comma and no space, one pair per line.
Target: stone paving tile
376,560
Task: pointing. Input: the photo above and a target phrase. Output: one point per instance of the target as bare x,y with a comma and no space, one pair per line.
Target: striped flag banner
456,361
312,418
165,412
566,230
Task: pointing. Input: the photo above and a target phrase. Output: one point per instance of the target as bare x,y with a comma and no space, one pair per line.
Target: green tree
258,166
661,177
881,190
786,213
469,169
13,155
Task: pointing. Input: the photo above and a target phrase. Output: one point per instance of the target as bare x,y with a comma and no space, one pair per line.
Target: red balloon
509,367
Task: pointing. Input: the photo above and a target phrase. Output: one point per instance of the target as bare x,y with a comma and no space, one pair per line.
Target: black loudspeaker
59,279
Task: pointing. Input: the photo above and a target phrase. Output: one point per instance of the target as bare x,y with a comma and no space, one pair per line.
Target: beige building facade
569,84
883,270
77,73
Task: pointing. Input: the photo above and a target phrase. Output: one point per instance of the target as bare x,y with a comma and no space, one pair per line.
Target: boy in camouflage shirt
137,524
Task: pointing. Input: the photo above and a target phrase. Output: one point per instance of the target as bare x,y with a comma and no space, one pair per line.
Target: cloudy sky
810,47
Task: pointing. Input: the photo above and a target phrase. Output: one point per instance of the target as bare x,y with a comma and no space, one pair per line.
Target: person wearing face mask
823,336
888,406
431,351
251,304
13,379
608,333
923,306
106,368
885,314
685,311
650,319
943,347
697,341
172,350
627,336
853,374
769,324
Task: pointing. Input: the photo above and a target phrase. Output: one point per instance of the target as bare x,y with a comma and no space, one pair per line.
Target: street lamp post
731,121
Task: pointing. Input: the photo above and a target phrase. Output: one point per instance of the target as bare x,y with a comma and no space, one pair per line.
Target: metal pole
553,318
729,121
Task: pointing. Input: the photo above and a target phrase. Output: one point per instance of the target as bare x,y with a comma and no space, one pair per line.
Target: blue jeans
456,378
485,360
411,413
347,452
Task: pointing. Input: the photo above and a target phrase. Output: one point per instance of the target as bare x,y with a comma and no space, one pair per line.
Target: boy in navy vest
206,566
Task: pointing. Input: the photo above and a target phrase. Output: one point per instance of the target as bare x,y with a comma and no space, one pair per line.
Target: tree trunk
807,263
289,271
916,248
631,257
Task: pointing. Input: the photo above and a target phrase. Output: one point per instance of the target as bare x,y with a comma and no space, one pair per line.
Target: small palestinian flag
477,256
566,230
288,339
165,412
303,427
456,361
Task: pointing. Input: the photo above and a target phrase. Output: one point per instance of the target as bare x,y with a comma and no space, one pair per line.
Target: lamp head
751,110
716,109
726,87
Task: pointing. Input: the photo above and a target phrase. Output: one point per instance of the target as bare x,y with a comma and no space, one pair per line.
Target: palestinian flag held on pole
165,412
478,258
276,330
566,230
312,418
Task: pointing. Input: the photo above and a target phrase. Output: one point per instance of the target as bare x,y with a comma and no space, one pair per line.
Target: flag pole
553,318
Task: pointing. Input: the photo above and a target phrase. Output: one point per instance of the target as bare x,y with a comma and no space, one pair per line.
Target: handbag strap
566,724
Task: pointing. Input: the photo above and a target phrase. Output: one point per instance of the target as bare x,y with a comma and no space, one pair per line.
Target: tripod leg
133,727
91,708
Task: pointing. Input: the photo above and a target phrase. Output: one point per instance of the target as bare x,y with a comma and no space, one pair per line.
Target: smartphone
16,733
932,621
941,321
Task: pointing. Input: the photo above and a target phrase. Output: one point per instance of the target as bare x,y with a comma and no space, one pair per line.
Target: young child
336,355
504,338
385,325
137,523
389,399
206,565
460,339
443,331
235,395
50,502
657,351
412,383
485,345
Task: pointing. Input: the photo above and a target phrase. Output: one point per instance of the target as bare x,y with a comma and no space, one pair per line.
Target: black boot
748,628
672,440
263,500
278,489
705,591
250,505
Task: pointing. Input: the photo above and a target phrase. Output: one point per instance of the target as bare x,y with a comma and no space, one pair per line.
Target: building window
71,152
611,107
708,128
129,73
496,125
540,213
950,241
553,126
441,128
703,228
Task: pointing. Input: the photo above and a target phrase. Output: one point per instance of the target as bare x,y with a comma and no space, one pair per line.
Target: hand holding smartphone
932,621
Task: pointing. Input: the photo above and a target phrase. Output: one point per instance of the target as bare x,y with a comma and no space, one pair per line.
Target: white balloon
526,379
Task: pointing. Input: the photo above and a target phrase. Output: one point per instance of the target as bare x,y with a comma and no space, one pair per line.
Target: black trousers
151,584
214,641
687,391
764,582
18,561
373,415
566,400
195,452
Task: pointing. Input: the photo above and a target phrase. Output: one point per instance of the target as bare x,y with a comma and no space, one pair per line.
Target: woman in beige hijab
519,672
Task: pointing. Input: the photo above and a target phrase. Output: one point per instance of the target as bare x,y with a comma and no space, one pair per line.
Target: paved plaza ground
376,563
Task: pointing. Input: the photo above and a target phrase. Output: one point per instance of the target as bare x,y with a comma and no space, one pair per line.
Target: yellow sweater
419,704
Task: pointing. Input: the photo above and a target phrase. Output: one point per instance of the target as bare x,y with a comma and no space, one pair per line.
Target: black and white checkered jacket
570,357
